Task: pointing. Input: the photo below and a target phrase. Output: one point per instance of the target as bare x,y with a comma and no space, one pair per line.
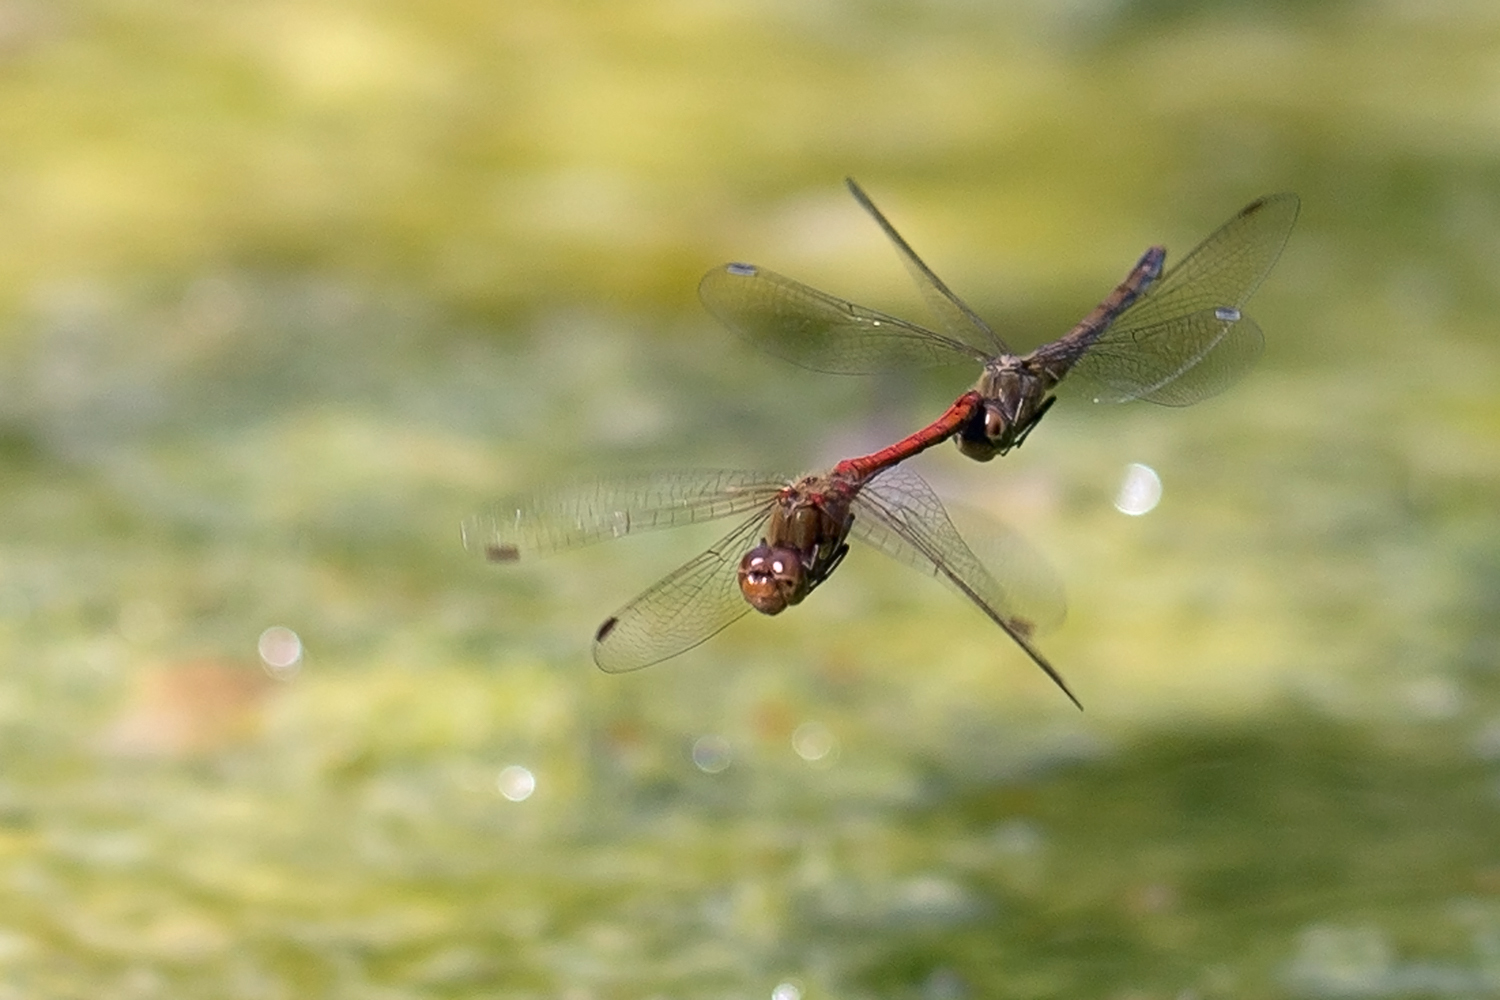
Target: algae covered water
289,291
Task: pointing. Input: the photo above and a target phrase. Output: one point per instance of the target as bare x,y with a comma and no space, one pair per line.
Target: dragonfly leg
1036,418
833,564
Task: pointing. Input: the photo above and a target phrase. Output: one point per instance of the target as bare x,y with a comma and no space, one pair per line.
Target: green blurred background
288,289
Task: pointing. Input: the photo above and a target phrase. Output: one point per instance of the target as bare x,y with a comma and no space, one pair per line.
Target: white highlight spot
1227,315
516,783
281,651
786,991
1140,490
711,754
814,743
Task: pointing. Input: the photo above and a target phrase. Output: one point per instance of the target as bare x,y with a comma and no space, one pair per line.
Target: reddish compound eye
771,578
981,440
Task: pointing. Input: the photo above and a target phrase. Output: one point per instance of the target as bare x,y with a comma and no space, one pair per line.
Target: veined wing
1226,268
899,514
819,331
954,316
692,603
1186,338
1032,594
1175,363
1034,591
588,512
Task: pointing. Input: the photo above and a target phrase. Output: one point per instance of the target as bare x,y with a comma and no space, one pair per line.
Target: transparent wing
1227,267
1176,363
899,514
1185,338
1034,591
1032,595
587,512
954,316
692,603
819,331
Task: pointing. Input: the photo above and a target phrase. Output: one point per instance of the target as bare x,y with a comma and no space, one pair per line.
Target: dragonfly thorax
806,537
1015,397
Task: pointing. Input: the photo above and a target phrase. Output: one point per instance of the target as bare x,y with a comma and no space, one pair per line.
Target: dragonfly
1173,336
789,537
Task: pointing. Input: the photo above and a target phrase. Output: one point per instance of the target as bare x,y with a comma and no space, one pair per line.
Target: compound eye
982,438
995,423
771,578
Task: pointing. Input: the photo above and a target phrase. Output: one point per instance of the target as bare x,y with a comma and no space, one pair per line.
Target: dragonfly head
988,433
1003,421
772,578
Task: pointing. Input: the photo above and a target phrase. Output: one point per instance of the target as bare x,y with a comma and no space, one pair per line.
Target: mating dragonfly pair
1172,336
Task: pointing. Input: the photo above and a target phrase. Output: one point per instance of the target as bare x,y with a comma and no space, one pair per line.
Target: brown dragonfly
1173,337
790,537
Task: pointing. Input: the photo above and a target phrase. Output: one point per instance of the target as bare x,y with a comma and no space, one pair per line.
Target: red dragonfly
792,534
1172,337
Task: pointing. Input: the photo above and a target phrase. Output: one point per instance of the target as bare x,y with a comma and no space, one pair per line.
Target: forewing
899,514
1191,318
954,316
820,331
586,512
692,603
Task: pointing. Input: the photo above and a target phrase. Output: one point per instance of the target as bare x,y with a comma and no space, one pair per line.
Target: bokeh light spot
1140,490
786,991
281,651
711,754
814,743
516,783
